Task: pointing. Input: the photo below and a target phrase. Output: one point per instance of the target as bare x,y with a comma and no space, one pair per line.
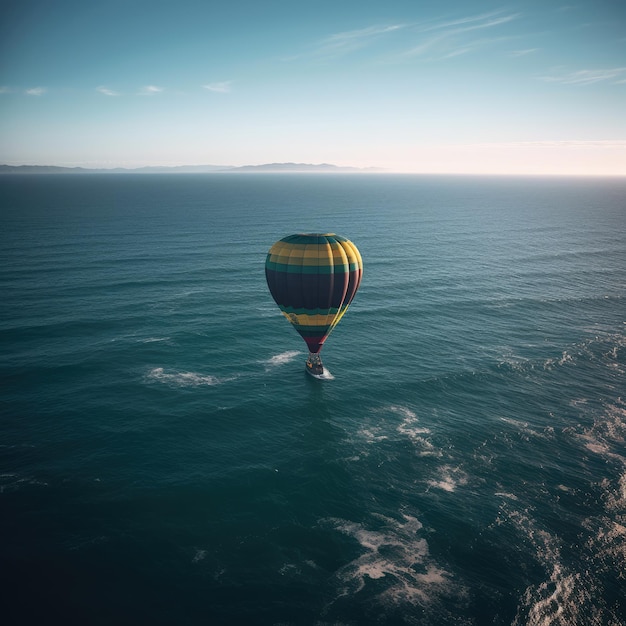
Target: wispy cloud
443,38
613,75
469,46
349,41
573,144
221,87
36,91
472,22
447,39
5,89
523,53
106,91
150,90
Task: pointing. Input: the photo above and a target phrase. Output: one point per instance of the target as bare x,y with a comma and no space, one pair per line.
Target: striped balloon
313,279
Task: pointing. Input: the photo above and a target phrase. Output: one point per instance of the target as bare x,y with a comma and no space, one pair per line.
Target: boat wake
280,359
326,375
184,379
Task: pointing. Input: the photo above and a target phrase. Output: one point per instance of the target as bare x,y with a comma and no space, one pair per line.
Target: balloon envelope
313,279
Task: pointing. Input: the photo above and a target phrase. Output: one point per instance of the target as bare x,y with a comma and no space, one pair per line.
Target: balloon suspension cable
314,364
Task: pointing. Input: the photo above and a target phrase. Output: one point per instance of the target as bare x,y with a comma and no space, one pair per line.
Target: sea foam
393,551
184,379
281,359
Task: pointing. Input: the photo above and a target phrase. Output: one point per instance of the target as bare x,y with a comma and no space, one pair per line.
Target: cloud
444,38
5,89
523,53
222,87
484,20
106,91
36,91
150,90
340,44
448,39
568,143
470,46
615,75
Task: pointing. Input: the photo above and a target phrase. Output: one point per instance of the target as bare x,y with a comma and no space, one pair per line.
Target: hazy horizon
266,168
460,88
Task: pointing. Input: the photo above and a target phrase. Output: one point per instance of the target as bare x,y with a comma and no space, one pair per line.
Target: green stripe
311,269
290,309
312,331
283,268
309,238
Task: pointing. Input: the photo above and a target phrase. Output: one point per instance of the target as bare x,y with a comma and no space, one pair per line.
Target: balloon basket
314,365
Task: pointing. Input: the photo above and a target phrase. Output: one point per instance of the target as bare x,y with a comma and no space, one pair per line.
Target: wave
199,555
326,375
604,348
607,436
524,430
566,597
406,428
12,482
577,570
281,359
185,379
396,560
607,439
449,478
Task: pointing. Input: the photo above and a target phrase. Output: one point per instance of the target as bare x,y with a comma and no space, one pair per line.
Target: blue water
164,459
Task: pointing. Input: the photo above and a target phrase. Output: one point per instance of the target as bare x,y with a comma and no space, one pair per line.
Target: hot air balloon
313,279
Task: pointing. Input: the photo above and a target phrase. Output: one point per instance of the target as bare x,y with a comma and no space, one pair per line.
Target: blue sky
524,87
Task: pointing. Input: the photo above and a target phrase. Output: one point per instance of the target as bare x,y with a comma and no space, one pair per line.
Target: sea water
164,458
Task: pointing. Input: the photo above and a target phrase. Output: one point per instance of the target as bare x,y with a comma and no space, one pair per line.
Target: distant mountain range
185,169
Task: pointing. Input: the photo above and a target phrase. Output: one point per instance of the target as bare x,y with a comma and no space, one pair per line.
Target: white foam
566,357
449,479
502,494
616,497
396,553
327,375
549,602
564,597
282,358
598,448
404,411
289,569
555,602
184,379
154,339
416,434
406,428
526,431
372,434
13,482
199,556
605,549
607,437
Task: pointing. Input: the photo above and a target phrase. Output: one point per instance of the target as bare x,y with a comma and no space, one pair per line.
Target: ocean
165,459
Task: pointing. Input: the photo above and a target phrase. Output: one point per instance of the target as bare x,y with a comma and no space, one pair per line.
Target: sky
453,86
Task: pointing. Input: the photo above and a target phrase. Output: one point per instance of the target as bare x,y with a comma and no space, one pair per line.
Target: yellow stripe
312,320
280,247
354,256
313,254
